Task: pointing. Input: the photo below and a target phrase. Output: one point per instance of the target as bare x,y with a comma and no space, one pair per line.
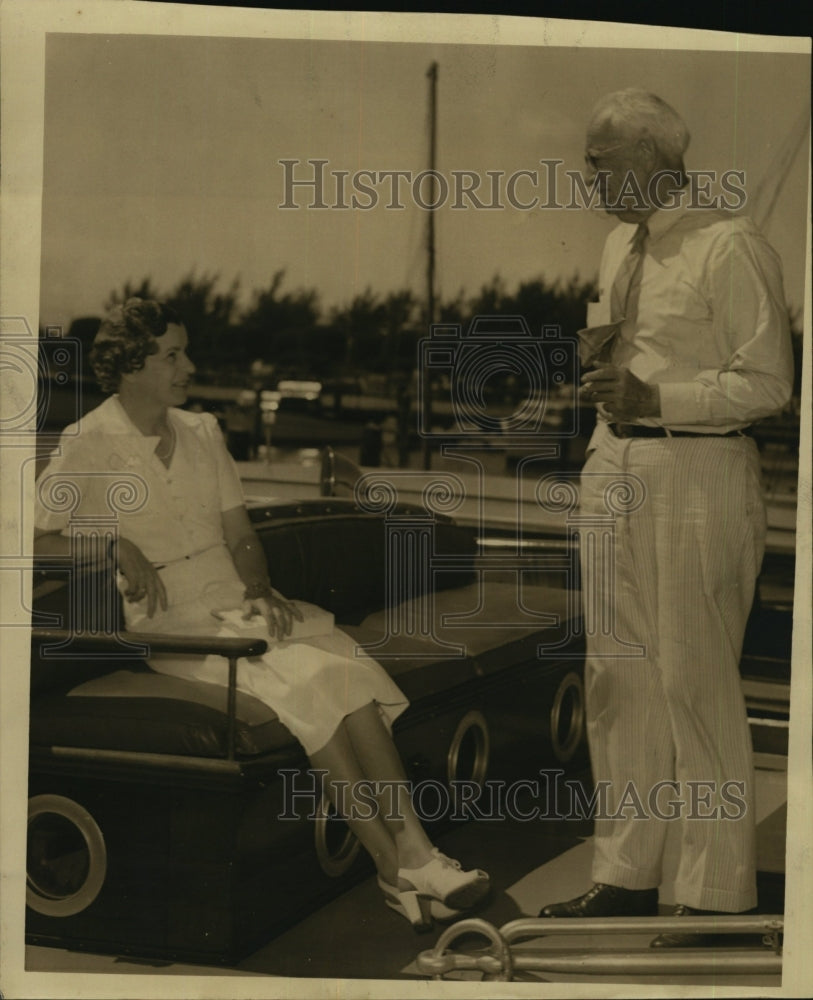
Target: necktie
623,304
596,343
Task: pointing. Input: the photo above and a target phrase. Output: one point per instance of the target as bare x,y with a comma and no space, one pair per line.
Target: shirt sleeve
750,321
229,485
57,492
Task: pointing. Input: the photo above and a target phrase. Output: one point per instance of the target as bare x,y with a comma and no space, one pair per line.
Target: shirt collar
662,220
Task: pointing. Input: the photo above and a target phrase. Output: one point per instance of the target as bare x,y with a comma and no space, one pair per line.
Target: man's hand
142,578
624,396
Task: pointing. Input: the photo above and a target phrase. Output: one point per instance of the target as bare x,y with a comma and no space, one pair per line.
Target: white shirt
105,469
712,326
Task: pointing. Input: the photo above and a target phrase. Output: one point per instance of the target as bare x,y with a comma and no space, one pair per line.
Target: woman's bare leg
338,758
422,885
381,763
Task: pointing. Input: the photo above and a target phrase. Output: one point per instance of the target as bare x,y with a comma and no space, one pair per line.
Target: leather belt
641,431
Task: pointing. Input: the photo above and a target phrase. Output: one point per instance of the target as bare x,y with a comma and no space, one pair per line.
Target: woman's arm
124,555
51,543
249,561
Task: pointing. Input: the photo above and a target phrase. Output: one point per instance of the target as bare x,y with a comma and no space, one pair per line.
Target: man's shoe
691,939
607,901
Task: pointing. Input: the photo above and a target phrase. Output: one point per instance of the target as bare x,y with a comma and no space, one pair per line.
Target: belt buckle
622,430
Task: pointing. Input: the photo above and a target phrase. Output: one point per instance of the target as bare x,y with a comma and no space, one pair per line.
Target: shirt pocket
196,484
684,300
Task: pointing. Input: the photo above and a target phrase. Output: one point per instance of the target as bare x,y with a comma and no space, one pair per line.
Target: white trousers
666,601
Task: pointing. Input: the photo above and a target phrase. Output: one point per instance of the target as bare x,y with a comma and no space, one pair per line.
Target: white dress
173,515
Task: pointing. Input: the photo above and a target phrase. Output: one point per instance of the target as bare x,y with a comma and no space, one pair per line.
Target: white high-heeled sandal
443,879
419,911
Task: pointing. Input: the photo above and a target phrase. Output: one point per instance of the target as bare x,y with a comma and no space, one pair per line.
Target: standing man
689,345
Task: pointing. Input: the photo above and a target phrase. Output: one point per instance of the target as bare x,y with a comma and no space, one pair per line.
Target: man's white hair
646,115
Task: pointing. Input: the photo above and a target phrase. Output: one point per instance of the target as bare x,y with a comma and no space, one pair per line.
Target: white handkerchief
315,621
592,340
598,313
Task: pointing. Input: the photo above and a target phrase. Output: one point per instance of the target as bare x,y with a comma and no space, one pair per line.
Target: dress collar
118,422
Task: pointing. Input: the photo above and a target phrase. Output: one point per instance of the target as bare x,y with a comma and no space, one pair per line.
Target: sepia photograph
405,436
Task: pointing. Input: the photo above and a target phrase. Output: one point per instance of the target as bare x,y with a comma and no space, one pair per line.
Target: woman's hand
141,576
250,562
278,612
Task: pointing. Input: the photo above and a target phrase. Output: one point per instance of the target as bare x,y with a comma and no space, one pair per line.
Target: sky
162,156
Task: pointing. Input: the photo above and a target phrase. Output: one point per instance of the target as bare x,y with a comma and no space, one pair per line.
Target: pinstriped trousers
678,581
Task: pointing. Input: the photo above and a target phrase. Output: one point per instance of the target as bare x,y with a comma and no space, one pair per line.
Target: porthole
469,750
567,718
336,845
66,856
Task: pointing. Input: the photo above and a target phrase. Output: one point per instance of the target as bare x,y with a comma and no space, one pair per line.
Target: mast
432,74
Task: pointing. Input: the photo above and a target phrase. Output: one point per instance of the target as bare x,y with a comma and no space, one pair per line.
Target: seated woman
189,549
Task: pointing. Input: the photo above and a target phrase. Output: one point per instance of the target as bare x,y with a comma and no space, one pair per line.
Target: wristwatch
258,589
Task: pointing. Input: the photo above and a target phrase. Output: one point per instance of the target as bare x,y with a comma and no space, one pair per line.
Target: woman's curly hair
126,337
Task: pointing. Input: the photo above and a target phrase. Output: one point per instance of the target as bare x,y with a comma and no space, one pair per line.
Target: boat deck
531,863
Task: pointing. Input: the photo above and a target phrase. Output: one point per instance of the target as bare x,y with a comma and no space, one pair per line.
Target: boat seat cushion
137,709
340,560
477,631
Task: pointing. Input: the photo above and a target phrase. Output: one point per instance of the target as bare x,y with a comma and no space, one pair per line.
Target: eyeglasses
591,157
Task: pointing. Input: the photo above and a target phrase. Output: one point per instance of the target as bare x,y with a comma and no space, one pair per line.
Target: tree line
373,333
